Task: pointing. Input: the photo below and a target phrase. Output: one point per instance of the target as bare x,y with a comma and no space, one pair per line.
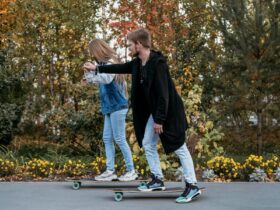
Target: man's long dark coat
161,99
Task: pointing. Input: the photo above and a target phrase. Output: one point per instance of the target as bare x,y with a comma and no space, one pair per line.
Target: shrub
73,168
7,167
98,165
251,163
224,167
258,176
39,168
277,174
271,165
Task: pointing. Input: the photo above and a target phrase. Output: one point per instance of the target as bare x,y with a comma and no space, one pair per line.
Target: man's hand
89,66
158,128
83,81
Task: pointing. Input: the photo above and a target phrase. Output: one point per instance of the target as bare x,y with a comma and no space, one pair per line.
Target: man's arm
125,68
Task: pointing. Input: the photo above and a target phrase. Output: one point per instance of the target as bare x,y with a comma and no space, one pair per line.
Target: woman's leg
109,144
119,133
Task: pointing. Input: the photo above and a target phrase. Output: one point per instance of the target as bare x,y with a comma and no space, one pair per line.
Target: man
158,110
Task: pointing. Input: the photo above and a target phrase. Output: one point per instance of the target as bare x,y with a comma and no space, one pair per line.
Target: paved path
61,196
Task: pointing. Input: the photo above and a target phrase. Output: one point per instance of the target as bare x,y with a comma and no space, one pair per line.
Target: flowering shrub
39,168
251,163
7,168
98,165
140,165
224,167
219,168
271,165
74,168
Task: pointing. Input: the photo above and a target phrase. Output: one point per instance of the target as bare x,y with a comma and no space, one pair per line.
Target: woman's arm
93,78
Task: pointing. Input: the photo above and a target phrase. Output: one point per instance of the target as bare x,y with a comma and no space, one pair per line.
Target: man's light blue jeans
114,129
150,146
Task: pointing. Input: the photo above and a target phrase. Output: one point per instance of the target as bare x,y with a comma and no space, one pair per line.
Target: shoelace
106,173
186,191
127,174
154,180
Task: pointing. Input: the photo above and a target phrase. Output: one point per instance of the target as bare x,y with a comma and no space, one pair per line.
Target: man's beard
133,55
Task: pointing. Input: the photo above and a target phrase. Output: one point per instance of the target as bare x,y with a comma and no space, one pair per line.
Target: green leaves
9,118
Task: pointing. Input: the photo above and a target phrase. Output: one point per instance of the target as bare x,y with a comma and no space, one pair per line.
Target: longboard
118,193
77,183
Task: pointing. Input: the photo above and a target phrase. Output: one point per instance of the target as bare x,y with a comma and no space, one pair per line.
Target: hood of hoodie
157,56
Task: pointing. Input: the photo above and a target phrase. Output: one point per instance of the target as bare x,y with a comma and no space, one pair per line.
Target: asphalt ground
99,196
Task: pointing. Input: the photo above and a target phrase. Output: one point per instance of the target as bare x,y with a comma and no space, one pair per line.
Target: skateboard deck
118,192
77,183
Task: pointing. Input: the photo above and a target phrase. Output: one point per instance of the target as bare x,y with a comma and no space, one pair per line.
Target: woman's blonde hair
102,52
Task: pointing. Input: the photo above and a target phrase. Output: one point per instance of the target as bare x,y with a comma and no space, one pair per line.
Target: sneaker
191,191
155,184
108,175
129,176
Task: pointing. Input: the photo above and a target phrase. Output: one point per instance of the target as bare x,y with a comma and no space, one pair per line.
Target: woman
114,106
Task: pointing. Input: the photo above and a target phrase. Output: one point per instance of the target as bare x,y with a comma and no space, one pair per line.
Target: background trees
224,58
245,81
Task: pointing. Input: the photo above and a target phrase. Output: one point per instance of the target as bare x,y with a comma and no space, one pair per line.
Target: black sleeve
161,86
125,68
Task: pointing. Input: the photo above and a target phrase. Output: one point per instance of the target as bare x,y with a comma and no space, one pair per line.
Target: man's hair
140,35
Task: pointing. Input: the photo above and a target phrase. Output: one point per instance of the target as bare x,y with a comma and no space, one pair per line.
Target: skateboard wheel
76,185
118,196
142,184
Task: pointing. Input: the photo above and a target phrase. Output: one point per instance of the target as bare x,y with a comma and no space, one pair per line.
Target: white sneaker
107,175
129,176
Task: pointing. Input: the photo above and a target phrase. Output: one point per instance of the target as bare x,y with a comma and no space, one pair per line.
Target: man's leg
150,146
191,191
187,164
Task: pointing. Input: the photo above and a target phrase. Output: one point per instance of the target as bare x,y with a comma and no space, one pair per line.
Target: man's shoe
155,184
191,191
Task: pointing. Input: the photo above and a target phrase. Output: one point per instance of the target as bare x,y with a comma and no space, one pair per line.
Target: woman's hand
158,128
89,66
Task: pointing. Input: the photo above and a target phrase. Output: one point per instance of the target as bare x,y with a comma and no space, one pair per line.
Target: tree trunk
51,78
259,133
61,93
76,104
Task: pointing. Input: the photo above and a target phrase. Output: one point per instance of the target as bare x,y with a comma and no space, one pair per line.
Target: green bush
9,118
76,128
